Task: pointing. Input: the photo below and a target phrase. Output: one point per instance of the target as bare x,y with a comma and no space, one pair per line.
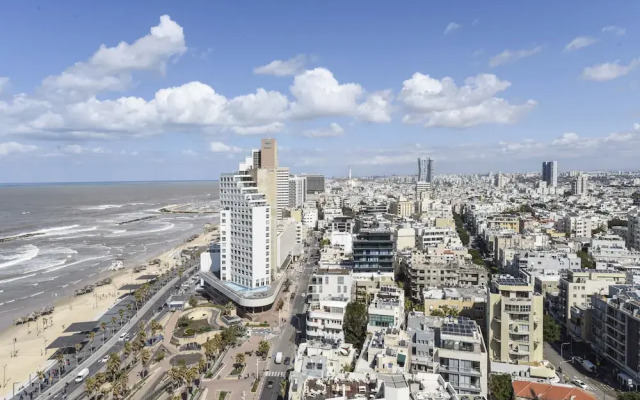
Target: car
579,383
287,360
122,337
577,360
270,384
127,337
303,295
104,359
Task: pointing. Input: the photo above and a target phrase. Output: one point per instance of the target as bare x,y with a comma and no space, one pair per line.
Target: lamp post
560,369
4,376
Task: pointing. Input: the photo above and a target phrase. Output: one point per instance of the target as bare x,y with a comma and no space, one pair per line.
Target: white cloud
609,70
3,82
509,56
110,68
291,66
616,30
78,149
273,127
566,139
219,147
318,94
8,148
451,26
579,43
436,102
333,130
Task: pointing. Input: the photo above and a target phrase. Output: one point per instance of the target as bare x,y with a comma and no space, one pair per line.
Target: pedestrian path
281,374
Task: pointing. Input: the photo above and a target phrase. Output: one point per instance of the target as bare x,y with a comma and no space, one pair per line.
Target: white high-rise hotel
245,227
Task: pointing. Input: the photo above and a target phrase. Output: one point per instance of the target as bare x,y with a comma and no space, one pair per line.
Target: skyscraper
282,188
550,173
425,170
580,185
297,191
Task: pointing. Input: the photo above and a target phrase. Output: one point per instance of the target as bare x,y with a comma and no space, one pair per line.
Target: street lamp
562,347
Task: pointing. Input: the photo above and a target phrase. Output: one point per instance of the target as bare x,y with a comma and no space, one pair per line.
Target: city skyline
170,95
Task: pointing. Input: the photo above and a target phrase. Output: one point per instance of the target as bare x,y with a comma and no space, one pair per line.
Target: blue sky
174,90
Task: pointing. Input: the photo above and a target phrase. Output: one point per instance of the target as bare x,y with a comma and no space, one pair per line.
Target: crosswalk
281,374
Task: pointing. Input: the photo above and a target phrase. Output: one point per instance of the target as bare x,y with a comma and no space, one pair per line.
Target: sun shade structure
147,277
86,326
131,286
62,342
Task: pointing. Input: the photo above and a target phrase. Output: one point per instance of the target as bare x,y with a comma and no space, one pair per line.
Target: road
75,390
571,371
286,342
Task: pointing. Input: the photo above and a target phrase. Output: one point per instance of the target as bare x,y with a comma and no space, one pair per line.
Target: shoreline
30,339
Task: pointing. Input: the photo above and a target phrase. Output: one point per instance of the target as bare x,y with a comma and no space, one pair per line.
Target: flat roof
86,326
147,277
131,286
67,341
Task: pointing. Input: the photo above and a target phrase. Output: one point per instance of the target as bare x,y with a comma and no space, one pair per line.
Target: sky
165,90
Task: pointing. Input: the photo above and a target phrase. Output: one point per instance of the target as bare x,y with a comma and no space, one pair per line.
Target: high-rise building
633,233
514,323
580,185
498,180
550,173
330,292
244,247
282,189
425,170
422,190
315,183
373,251
268,153
297,191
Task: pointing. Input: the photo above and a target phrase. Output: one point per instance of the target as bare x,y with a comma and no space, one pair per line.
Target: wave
102,207
25,254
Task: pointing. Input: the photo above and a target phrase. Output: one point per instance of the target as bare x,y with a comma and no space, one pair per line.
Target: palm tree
113,324
91,386
60,361
202,365
227,308
190,376
78,346
283,388
92,335
113,366
103,326
138,296
209,349
121,314
156,327
240,359
40,375
176,376
145,357
126,350
129,310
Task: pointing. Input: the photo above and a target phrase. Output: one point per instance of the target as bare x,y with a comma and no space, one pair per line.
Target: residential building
615,326
431,237
384,351
577,226
373,251
329,293
297,191
580,185
550,173
401,208
425,170
310,217
532,390
470,302
633,226
451,347
405,238
282,188
514,321
422,190
502,221
341,224
386,310
499,181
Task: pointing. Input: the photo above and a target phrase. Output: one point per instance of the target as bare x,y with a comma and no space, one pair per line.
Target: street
571,370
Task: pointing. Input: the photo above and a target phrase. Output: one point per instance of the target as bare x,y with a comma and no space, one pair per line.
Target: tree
629,396
283,388
500,387
202,365
550,329
445,311
240,358
193,302
121,314
263,348
113,324
40,375
190,376
616,222
113,366
78,346
286,285
586,260
156,327
228,308
90,386
355,324
126,350
176,376
103,326
92,335
145,357
60,361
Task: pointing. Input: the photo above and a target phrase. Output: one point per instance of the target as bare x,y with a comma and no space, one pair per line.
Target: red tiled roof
545,391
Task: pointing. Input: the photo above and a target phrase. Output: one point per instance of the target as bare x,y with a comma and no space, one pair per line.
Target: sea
55,238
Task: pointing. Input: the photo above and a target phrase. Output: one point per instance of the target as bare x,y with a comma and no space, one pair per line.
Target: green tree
629,396
408,305
355,324
586,260
193,302
113,366
500,387
283,388
240,359
91,386
145,357
550,329
126,350
445,311
263,348
121,314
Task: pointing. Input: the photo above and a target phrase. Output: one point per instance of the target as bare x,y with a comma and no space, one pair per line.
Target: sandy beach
31,339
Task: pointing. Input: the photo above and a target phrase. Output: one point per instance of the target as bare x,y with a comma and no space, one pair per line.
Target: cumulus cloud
291,66
616,30
435,102
333,130
219,147
110,68
451,26
579,43
566,139
509,56
609,70
8,148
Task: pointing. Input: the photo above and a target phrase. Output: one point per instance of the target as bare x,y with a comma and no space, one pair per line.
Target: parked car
287,361
104,359
270,384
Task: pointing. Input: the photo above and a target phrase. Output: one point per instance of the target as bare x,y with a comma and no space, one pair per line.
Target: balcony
516,350
465,371
516,331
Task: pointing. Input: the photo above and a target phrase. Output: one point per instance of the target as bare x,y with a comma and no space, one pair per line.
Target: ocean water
65,236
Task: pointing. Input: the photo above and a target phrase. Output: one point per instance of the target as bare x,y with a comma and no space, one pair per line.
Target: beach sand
31,339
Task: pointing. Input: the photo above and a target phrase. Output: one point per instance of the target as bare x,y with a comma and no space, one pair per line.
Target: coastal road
571,371
286,342
147,311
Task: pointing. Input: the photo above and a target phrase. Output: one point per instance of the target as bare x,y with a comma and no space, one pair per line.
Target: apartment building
501,221
401,208
430,237
577,226
282,190
386,310
514,321
470,302
373,251
580,185
297,191
615,326
329,293
633,232
310,217
451,347
576,290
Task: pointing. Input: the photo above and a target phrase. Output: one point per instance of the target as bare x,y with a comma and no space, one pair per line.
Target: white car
579,383
104,359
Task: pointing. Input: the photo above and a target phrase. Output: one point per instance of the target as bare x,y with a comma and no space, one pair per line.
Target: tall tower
550,173
425,170
349,172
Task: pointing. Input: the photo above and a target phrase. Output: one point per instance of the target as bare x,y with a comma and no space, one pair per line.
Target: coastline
31,339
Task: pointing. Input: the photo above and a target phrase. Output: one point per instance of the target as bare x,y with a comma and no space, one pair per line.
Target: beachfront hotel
243,266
